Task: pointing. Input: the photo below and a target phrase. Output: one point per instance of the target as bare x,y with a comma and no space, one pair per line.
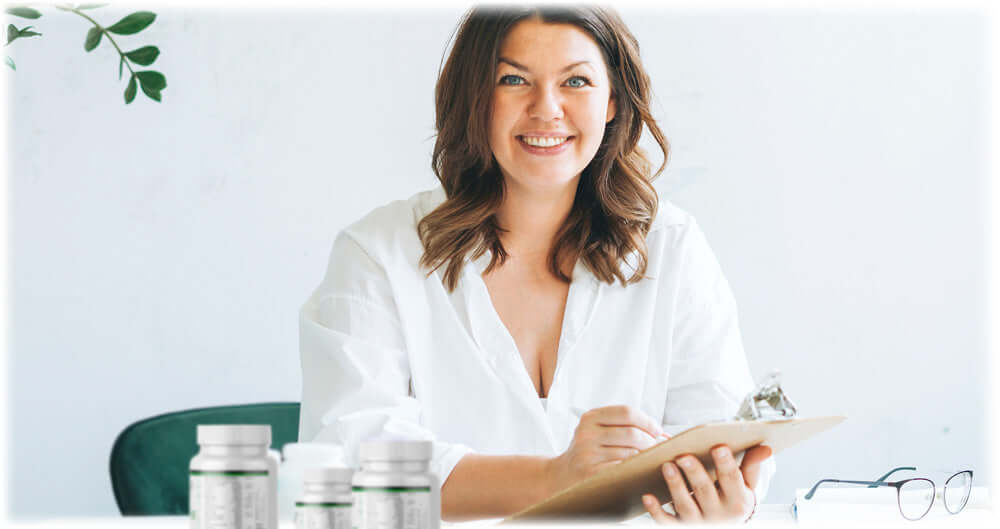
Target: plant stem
106,33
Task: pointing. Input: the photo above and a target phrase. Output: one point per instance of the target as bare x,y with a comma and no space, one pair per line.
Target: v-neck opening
576,311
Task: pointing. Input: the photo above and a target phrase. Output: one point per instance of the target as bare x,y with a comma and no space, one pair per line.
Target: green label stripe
391,489
303,504
228,472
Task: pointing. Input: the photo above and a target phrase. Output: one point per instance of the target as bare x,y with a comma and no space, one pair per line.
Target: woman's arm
709,377
355,367
494,486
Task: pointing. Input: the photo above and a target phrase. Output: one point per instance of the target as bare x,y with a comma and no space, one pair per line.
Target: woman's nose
546,105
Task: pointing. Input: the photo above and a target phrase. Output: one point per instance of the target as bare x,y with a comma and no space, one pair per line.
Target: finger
727,472
616,453
626,416
626,437
687,510
751,464
656,510
730,478
703,486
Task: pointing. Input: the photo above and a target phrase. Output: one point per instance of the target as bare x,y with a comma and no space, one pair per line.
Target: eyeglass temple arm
812,491
889,473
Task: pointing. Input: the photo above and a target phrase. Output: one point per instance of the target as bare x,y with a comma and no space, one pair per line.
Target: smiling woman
542,108
542,315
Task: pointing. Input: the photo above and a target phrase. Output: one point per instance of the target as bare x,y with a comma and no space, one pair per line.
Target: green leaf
130,91
90,6
93,38
144,56
151,92
10,62
24,12
120,64
152,79
133,23
13,33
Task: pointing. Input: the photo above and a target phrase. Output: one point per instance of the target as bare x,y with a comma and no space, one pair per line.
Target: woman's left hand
733,498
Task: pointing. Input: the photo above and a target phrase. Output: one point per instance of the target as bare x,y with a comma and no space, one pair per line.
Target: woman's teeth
543,141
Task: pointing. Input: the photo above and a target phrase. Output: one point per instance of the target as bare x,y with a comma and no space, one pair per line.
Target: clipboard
615,493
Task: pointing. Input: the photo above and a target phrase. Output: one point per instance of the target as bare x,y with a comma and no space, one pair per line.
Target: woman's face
551,102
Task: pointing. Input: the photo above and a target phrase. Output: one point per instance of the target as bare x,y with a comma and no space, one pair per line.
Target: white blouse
388,352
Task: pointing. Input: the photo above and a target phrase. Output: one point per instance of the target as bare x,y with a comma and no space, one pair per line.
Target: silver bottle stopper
767,401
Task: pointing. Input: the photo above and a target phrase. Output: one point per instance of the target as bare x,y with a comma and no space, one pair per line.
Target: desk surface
767,515
769,512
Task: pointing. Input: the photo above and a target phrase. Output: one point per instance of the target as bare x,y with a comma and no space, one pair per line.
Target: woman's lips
545,151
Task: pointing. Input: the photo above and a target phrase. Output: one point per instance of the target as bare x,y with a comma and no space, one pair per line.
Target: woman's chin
545,182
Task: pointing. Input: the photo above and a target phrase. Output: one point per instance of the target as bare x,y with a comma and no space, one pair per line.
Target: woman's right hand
605,436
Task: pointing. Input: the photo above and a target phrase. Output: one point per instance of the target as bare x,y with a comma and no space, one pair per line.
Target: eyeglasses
915,496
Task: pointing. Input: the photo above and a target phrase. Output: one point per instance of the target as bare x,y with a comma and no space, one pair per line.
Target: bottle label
322,515
392,508
229,499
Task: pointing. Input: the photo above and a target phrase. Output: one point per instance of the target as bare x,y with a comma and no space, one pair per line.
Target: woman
541,315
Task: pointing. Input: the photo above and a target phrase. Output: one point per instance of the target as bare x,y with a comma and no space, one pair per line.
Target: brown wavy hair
615,201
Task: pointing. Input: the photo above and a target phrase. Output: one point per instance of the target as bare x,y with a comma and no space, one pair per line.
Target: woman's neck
532,219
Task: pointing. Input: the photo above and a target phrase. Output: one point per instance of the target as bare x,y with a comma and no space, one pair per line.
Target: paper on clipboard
615,493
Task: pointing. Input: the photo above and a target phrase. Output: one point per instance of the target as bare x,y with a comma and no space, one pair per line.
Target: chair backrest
150,458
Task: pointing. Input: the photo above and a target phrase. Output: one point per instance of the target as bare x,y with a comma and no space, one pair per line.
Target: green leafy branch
150,81
13,33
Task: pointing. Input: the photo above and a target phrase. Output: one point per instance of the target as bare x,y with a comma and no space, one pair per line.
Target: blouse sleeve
355,370
709,375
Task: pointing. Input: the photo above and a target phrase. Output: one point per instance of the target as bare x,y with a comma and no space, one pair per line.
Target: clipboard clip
767,401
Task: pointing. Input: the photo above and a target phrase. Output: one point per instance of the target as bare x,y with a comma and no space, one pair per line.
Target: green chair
150,458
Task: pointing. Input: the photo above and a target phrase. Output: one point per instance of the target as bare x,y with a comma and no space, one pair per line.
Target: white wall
159,252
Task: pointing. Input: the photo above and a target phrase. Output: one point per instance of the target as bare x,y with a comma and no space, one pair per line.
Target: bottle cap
395,450
234,434
328,475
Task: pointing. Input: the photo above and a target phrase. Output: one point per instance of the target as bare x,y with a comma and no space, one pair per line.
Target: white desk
767,515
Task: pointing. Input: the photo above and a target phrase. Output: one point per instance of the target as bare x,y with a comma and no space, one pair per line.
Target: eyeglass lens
915,498
956,491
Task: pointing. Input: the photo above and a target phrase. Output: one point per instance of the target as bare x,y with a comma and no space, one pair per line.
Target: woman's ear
612,108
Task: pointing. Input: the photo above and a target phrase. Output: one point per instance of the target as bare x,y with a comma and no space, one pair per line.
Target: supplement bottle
295,459
234,478
326,499
394,488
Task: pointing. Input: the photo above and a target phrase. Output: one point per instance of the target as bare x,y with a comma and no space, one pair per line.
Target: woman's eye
511,80
583,81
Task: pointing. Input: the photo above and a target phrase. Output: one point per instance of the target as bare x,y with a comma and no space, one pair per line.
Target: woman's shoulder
394,224
671,221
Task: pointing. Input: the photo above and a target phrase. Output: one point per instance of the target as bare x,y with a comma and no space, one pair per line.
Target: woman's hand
605,436
731,500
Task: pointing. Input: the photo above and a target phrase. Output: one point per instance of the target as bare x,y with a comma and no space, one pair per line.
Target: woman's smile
545,145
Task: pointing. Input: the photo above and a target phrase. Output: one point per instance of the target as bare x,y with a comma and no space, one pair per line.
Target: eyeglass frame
898,485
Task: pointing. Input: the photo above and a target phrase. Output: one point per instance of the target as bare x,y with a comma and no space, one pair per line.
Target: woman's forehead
538,46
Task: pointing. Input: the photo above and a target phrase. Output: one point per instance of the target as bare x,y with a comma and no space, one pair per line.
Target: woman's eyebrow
519,66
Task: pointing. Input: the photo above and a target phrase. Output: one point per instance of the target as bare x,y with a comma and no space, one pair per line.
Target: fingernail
685,462
647,499
669,469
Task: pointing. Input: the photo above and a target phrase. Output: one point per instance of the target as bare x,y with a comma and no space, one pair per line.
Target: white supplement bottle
394,488
326,499
234,478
